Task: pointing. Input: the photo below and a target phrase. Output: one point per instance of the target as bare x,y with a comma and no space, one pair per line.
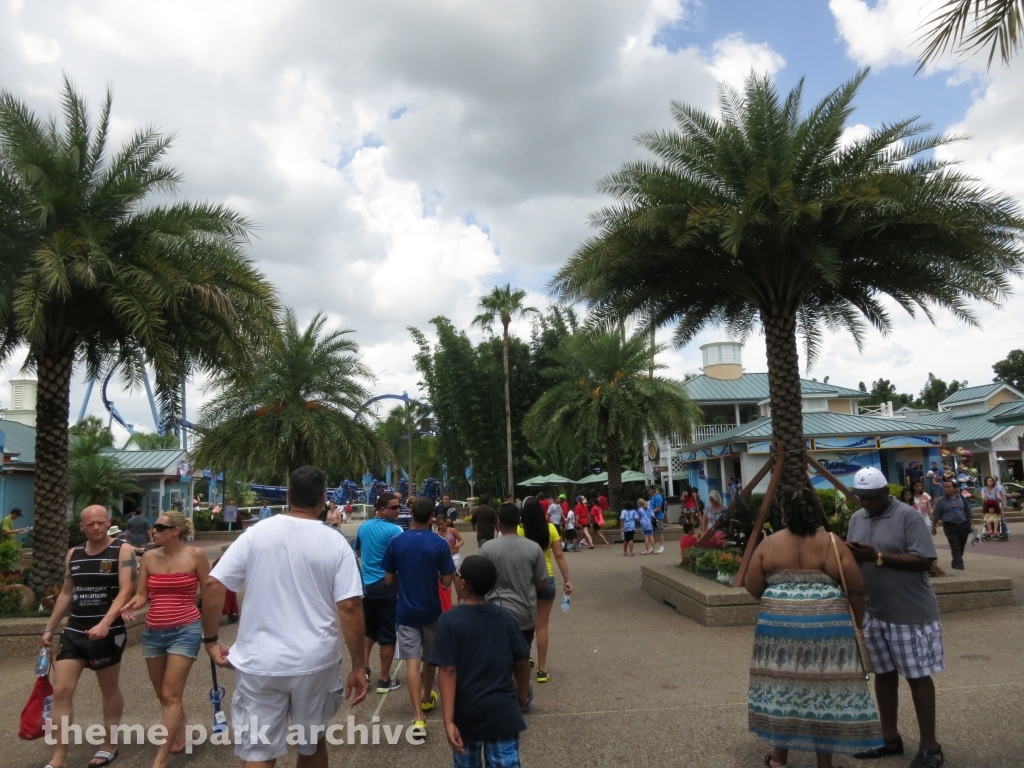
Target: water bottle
43,662
565,603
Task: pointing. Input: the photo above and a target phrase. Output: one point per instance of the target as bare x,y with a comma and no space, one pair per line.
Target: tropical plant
152,441
504,304
301,402
401,431
761,217
936,390
91,271
968,25
604,394
1011,369
98,478
92,430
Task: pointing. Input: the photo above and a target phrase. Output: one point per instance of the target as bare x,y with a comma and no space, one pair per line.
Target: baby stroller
992,507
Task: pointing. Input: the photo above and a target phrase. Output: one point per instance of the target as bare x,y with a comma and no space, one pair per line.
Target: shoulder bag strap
858,633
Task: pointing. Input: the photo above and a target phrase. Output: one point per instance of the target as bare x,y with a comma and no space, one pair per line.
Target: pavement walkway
633,684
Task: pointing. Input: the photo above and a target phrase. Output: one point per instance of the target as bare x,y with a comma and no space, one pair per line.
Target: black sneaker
385,686
894,747
926,758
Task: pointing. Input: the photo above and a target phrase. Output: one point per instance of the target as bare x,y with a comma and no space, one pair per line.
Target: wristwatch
878,560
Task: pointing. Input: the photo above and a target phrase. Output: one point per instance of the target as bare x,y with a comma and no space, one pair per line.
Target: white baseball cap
869,482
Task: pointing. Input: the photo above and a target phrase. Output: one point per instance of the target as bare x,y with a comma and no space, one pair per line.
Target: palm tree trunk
786,397
53,406
613,448
508,414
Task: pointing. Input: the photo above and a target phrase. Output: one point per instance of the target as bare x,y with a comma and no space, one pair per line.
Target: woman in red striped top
169,578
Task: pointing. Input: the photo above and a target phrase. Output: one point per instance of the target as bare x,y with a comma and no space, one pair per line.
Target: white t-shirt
294,571
570,520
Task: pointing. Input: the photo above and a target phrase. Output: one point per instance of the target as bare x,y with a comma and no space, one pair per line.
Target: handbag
37,710
862,649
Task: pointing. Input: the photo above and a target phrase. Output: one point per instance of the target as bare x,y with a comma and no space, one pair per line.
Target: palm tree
301,402
92,272
967,25
505,304
151,441
766,218
96,477
401,427
605,395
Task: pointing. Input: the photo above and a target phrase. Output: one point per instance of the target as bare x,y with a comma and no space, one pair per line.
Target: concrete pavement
633,684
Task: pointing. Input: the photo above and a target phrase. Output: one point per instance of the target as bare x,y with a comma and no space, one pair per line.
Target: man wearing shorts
901,620
98,582
300,577
658,517
379,599
417,560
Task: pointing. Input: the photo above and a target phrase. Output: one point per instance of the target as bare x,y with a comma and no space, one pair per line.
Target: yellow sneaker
428,706
421,724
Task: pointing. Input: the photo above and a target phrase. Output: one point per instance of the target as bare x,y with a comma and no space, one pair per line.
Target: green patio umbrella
538,480
557,480
631,476
591,479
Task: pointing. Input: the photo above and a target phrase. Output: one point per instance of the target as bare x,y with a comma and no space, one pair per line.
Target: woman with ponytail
169,577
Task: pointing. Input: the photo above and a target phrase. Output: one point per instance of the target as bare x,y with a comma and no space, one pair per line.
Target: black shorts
628,535
594,527
570,535
97,654
558,527
528,634
379,616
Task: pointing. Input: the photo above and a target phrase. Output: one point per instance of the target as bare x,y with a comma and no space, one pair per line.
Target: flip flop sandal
768,762
105,756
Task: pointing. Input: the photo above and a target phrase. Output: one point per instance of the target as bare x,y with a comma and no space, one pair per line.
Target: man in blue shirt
417,560
264,512
379,599
658,513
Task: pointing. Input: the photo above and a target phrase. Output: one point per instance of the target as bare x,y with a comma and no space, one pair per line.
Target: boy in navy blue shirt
417,559
484,672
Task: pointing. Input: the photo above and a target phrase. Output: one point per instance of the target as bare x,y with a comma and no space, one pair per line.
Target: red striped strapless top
172,600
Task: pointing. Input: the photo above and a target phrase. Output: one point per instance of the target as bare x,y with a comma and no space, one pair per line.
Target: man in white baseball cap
901,618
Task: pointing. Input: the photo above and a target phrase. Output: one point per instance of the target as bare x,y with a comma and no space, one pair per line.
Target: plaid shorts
500,753
913,650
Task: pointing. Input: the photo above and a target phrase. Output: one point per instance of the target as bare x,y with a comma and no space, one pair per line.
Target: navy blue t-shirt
419,557
482,642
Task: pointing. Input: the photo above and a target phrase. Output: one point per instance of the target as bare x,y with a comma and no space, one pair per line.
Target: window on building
815,404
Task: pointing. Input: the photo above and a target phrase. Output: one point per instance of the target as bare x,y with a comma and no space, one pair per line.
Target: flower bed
719,565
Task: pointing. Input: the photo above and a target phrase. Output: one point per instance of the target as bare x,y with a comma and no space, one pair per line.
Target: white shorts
913,650
307,700
414,642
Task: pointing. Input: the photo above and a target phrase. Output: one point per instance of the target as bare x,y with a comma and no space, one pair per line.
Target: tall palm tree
96,476
92,271
504,304
400,430
604,395
968,25
301,402
764,218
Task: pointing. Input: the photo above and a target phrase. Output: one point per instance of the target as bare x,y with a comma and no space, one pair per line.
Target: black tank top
94,587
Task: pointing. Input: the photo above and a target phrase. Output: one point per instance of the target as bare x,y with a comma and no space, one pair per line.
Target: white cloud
882,34
734,59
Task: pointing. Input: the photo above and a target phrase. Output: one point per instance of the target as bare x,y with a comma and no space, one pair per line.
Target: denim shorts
548,593
181,641
500,753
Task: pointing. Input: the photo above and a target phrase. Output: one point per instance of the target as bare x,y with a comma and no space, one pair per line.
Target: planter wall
20,637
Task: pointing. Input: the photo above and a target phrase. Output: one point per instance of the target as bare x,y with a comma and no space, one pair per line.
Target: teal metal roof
979,427
968,394
753,388
825,425
149,461
19,439
1013,413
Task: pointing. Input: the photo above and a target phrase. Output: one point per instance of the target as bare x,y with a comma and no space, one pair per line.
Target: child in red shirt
686,541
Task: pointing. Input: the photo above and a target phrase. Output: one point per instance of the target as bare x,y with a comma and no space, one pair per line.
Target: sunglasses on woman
160,527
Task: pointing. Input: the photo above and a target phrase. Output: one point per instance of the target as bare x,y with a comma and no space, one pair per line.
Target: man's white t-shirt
294,571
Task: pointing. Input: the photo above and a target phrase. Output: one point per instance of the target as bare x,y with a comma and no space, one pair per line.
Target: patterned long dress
807,691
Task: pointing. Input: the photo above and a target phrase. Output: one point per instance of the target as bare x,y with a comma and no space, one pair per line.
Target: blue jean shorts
181,641
548,593
500,753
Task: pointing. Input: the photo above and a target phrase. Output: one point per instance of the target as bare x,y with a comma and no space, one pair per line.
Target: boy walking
483,673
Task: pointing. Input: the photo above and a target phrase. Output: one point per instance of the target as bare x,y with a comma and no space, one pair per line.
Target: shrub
10,601
75,535
10,554
202,520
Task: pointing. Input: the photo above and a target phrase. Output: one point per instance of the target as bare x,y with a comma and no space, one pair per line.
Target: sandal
768,761
103,755
894,747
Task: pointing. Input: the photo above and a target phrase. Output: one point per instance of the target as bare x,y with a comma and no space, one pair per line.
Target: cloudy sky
401,157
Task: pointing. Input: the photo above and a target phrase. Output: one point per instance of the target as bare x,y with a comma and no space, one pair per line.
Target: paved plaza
633,684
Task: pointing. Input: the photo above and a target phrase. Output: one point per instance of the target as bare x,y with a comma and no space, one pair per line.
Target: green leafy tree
936,390
401,431
92,269
301,402
92,429
766,218
95,475
504,304
604,394
884,391
151,441
966,26
1011,369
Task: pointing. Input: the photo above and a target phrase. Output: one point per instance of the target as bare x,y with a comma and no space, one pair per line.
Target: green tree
604,394
965,26
95,475
91,269
92,429
151,441
762,217
884,391
401,432
301,402
936,390
504,304
1011,369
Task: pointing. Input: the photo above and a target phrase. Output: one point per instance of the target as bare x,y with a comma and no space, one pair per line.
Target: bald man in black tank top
98,582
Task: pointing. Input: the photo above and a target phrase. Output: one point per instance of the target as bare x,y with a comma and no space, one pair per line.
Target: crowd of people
831,610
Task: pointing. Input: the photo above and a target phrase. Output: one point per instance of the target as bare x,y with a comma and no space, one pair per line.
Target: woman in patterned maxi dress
807,690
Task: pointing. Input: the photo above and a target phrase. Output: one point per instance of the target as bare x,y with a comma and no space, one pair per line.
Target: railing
699,434
883,410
